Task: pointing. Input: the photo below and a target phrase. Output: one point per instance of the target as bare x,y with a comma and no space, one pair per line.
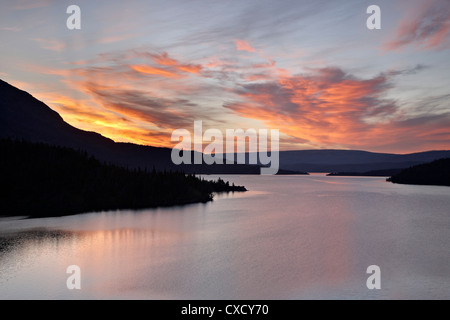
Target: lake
289,237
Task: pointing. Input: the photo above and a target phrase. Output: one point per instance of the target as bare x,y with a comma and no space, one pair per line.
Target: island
41,180
435,173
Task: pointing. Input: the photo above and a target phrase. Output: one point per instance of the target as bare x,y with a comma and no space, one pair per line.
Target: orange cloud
167,66
155,71
164,60
117,102
325,107
242,45
333,109
190,68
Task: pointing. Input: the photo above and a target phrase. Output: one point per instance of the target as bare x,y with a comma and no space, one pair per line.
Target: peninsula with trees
435,173
39,180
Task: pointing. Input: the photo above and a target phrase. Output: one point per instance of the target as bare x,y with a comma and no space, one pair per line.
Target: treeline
43,180
435,173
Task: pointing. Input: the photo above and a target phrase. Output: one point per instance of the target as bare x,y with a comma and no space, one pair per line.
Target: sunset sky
137,70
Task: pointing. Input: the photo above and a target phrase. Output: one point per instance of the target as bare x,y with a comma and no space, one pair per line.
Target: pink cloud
242,45
51,44
427,27
13,29
155,71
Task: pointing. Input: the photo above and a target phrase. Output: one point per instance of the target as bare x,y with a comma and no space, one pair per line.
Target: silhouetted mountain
24,117
435,173
41,180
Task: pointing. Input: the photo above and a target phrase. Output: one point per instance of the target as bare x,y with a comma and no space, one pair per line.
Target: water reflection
110,260
293,237
11,243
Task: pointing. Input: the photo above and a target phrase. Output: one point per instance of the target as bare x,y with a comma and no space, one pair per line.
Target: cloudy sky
137,70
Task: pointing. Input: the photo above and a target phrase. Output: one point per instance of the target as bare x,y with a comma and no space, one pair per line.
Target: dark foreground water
290,237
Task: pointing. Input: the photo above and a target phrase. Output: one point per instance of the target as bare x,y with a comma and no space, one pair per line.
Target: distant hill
352,162
435,173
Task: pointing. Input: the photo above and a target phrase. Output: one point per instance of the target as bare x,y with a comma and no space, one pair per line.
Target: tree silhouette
434,173
43,180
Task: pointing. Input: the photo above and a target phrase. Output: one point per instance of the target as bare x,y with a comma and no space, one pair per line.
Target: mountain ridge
22,116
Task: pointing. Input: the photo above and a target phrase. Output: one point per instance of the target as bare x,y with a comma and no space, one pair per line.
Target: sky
138,70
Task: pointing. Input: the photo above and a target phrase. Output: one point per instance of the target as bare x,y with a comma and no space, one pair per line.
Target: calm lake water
289,237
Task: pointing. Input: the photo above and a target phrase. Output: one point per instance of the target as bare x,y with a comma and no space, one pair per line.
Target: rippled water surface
289,237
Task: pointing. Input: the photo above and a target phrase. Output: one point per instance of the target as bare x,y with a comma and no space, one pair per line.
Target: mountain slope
24,117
